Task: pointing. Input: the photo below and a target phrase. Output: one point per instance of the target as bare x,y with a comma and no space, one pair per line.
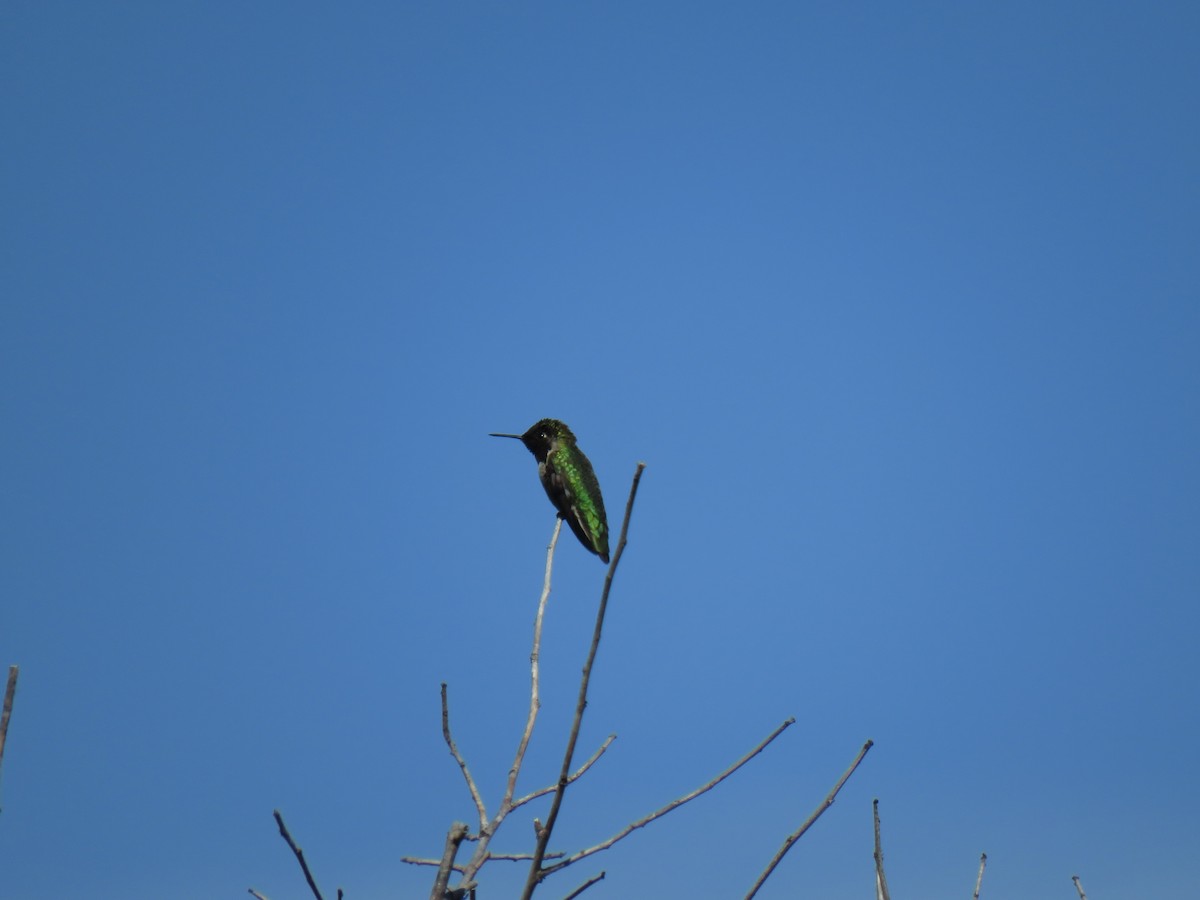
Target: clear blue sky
900,303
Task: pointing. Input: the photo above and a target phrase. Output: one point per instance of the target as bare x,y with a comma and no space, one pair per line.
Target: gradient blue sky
900,303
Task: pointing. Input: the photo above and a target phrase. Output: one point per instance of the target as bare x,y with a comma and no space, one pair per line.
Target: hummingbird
569,481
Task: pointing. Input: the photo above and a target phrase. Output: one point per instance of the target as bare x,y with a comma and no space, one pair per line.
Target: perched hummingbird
569,481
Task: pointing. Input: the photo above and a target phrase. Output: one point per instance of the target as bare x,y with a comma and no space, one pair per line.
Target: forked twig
535,868
287,836
799,832
881,888
979,877
674,804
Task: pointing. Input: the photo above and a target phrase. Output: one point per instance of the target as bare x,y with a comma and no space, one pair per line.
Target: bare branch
1079,887
522,857
488,829
979,877
503,857
425,861
535,869
462,763
674,804
9,692
257,894
583,887
454,837
542,792
535,702
881,888
799,833
299,855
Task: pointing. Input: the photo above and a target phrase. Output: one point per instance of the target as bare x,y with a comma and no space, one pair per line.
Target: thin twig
799,833
462,763
542,792
488,829
283,830
257,894
1079,887
503,857
454,837
522,857
535,702
881,888
583,887
425,861
9,692
979,877
674,804
535,868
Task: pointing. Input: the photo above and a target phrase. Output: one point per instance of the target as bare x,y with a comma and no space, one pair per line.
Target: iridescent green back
583,505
